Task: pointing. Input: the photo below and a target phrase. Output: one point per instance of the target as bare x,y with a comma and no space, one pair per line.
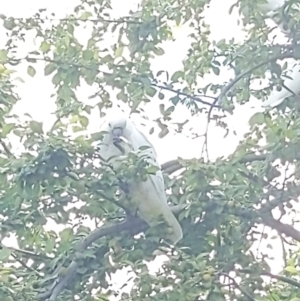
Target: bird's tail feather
151,210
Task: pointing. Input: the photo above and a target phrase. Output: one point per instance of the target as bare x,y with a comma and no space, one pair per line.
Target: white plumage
148,196
270,9
293,85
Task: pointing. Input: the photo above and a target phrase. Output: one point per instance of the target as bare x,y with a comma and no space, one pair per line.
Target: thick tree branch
288,230
277,277
133,225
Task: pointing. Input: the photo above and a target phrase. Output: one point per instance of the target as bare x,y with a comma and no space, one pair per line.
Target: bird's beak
117,133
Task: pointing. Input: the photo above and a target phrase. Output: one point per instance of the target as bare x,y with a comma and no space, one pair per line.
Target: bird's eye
109,125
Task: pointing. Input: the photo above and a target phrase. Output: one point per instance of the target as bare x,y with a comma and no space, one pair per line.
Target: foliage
57,175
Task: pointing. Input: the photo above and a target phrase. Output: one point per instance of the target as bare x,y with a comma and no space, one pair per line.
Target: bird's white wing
272,5
270,9
150,196
293,85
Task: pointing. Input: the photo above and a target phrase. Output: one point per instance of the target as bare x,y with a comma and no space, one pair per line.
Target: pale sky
35,92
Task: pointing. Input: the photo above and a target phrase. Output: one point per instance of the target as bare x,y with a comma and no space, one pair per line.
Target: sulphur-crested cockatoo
292,83
148,197
293,88
270,9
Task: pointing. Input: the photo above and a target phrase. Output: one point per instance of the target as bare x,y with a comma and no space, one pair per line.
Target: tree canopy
228,207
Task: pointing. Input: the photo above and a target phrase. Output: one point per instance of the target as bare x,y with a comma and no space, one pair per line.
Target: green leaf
175,100
84,121
152,169
31,71
177,75
56,79
45,47
150,91
4,254
257,118
3,56
216,70
7,128
88,54
161,96
9,24
85,15
50,68
158,51
36,127
291,270
119,51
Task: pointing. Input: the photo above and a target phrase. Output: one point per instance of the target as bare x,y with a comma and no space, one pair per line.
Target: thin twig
25,265
243,291
231,84
228,87
119,21
6,149
27,253
283,249
178,92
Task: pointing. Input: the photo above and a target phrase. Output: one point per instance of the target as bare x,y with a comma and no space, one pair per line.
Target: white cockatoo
148,197
293,88
270,9
292,82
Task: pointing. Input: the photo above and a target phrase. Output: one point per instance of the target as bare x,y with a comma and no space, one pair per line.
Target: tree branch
174,165
119,21
26,253
197,99
281,227
277,277
244,292
290,53
134,226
